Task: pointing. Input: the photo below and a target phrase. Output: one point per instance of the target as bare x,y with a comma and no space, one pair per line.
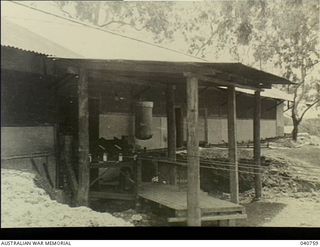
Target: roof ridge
107,31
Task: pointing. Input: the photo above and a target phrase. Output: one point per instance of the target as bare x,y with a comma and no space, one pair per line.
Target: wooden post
179,126
83,133
193,194
206,129
171,130
232,142
138,171
257,148
67,153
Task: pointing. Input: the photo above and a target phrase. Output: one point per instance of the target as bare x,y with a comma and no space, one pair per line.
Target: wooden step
210,218
111,195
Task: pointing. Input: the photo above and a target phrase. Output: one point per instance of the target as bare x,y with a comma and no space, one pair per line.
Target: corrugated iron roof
19,37
37,31
80,39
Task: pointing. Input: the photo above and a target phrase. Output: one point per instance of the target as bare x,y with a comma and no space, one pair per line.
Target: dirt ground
289,207
282,212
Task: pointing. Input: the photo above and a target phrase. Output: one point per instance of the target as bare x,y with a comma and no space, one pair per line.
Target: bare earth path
297,213
285,211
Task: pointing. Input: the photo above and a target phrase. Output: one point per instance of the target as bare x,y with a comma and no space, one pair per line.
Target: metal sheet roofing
20,37
82,40
33,30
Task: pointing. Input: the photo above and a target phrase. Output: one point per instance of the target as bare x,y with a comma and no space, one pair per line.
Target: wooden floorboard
171,197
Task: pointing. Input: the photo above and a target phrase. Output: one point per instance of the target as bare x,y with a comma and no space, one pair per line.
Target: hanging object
143,120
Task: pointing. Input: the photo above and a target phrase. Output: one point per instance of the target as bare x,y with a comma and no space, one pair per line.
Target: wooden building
63,78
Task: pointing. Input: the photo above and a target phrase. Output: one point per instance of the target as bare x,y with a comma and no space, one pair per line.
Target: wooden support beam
222,82
111,195
257,146
232,142
83,136
193,194
105,77
211,218
67,158
139,66
171,129
179,127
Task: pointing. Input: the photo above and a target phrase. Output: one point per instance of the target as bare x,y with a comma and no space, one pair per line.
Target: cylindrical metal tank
143,120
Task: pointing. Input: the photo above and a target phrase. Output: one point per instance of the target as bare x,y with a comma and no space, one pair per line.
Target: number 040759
309,243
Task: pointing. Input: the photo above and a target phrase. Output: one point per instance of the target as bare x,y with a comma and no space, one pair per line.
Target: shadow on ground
260,213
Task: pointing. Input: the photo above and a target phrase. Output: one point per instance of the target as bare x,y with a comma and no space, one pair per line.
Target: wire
107,31
227,163
222,163
262,169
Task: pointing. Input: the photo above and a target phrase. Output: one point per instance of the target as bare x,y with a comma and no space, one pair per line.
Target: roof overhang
175,72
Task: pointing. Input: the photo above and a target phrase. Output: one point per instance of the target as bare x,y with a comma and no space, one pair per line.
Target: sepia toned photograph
160,113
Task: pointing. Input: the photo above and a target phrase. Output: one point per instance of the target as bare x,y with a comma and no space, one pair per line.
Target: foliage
312,126
282,34
151,17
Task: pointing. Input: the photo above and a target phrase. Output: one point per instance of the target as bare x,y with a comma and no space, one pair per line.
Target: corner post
257,147
232,143
193,194
83,132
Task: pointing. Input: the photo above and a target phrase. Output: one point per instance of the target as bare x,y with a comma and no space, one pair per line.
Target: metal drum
143,120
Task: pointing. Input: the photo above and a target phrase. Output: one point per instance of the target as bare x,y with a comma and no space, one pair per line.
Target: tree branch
122,23
213,33
309,106
66,12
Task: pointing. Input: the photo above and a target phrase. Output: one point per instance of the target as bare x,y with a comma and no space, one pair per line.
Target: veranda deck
175,198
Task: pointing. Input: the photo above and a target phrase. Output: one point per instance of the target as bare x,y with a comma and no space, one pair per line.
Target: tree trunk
295,130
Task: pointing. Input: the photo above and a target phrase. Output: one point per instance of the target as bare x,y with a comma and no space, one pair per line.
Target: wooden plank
109,163
171,129
83,134
232,143
47,173
257,147
111,195
42,174
27,156
99,77
214,210
170,197
193,194
210,218
56,142
67,158
169,68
